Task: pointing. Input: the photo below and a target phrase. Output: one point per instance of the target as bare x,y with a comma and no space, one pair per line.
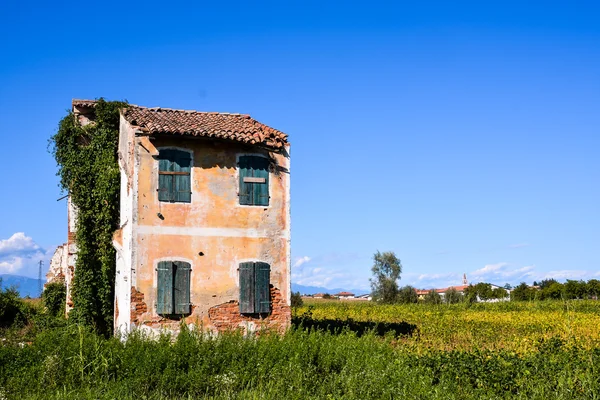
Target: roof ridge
158,108
224,125
80,102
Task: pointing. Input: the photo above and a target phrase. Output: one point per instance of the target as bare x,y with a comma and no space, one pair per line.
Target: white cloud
502,272
20,255
566,274
332,271
524,271
490,269
11,266
18,243
301,260
428,281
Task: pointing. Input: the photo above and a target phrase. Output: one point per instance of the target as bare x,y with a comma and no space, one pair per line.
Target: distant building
421,293
344,295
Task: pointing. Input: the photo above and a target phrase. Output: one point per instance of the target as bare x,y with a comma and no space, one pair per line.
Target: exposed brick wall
221,318
226,316
138,306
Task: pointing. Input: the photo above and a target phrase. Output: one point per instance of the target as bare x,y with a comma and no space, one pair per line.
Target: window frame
238,179
158,173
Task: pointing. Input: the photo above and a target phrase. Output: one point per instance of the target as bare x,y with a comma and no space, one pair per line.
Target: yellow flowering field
512,326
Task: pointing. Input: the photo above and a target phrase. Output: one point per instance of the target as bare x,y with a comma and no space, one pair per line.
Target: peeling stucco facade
62,264
213,233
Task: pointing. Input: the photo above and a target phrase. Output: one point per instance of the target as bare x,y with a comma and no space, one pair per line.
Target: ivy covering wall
89,172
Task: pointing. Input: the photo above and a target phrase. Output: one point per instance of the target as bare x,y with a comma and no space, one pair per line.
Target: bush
296,300
523,293
433,297
452,296
54,298
12,309
407,295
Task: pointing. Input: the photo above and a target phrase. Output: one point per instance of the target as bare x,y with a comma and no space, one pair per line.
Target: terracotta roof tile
237,127
84,103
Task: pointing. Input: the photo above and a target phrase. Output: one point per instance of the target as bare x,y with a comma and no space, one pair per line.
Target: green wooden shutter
260,169
246,273
245,191
262,294
181,287
182,183
164,296
165,182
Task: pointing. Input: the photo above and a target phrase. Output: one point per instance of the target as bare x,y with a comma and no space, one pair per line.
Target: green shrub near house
54,298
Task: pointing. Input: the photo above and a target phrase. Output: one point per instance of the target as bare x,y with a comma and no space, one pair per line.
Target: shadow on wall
221,156
337,326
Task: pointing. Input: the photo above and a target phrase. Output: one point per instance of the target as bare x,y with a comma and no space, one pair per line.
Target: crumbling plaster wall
62,263
123,237
213,233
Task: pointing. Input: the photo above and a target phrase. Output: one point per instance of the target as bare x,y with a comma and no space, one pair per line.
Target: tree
12,309
296,299
452,296
433,297
54,297
554,291
470,293
407,295
484,291
481,291
546,283
593,288
499,293
522,292
575,289
386,271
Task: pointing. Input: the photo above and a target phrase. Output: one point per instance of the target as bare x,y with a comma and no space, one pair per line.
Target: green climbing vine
89,171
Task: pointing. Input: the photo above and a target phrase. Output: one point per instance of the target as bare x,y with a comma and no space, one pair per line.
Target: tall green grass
73,363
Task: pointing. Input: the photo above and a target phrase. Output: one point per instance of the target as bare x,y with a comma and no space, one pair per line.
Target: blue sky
463,136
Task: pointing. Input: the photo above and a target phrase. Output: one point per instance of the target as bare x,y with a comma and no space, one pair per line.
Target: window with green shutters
255,295
174,180
254,180
173,288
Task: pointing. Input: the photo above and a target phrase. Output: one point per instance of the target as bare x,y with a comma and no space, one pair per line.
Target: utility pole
40,278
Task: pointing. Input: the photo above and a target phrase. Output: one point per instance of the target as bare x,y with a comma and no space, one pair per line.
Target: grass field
545,350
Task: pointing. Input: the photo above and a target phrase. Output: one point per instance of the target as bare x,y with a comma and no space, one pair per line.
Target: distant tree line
387,268
386,271
554,290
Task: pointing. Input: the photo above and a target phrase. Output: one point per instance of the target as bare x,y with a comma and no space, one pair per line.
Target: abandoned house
204,231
